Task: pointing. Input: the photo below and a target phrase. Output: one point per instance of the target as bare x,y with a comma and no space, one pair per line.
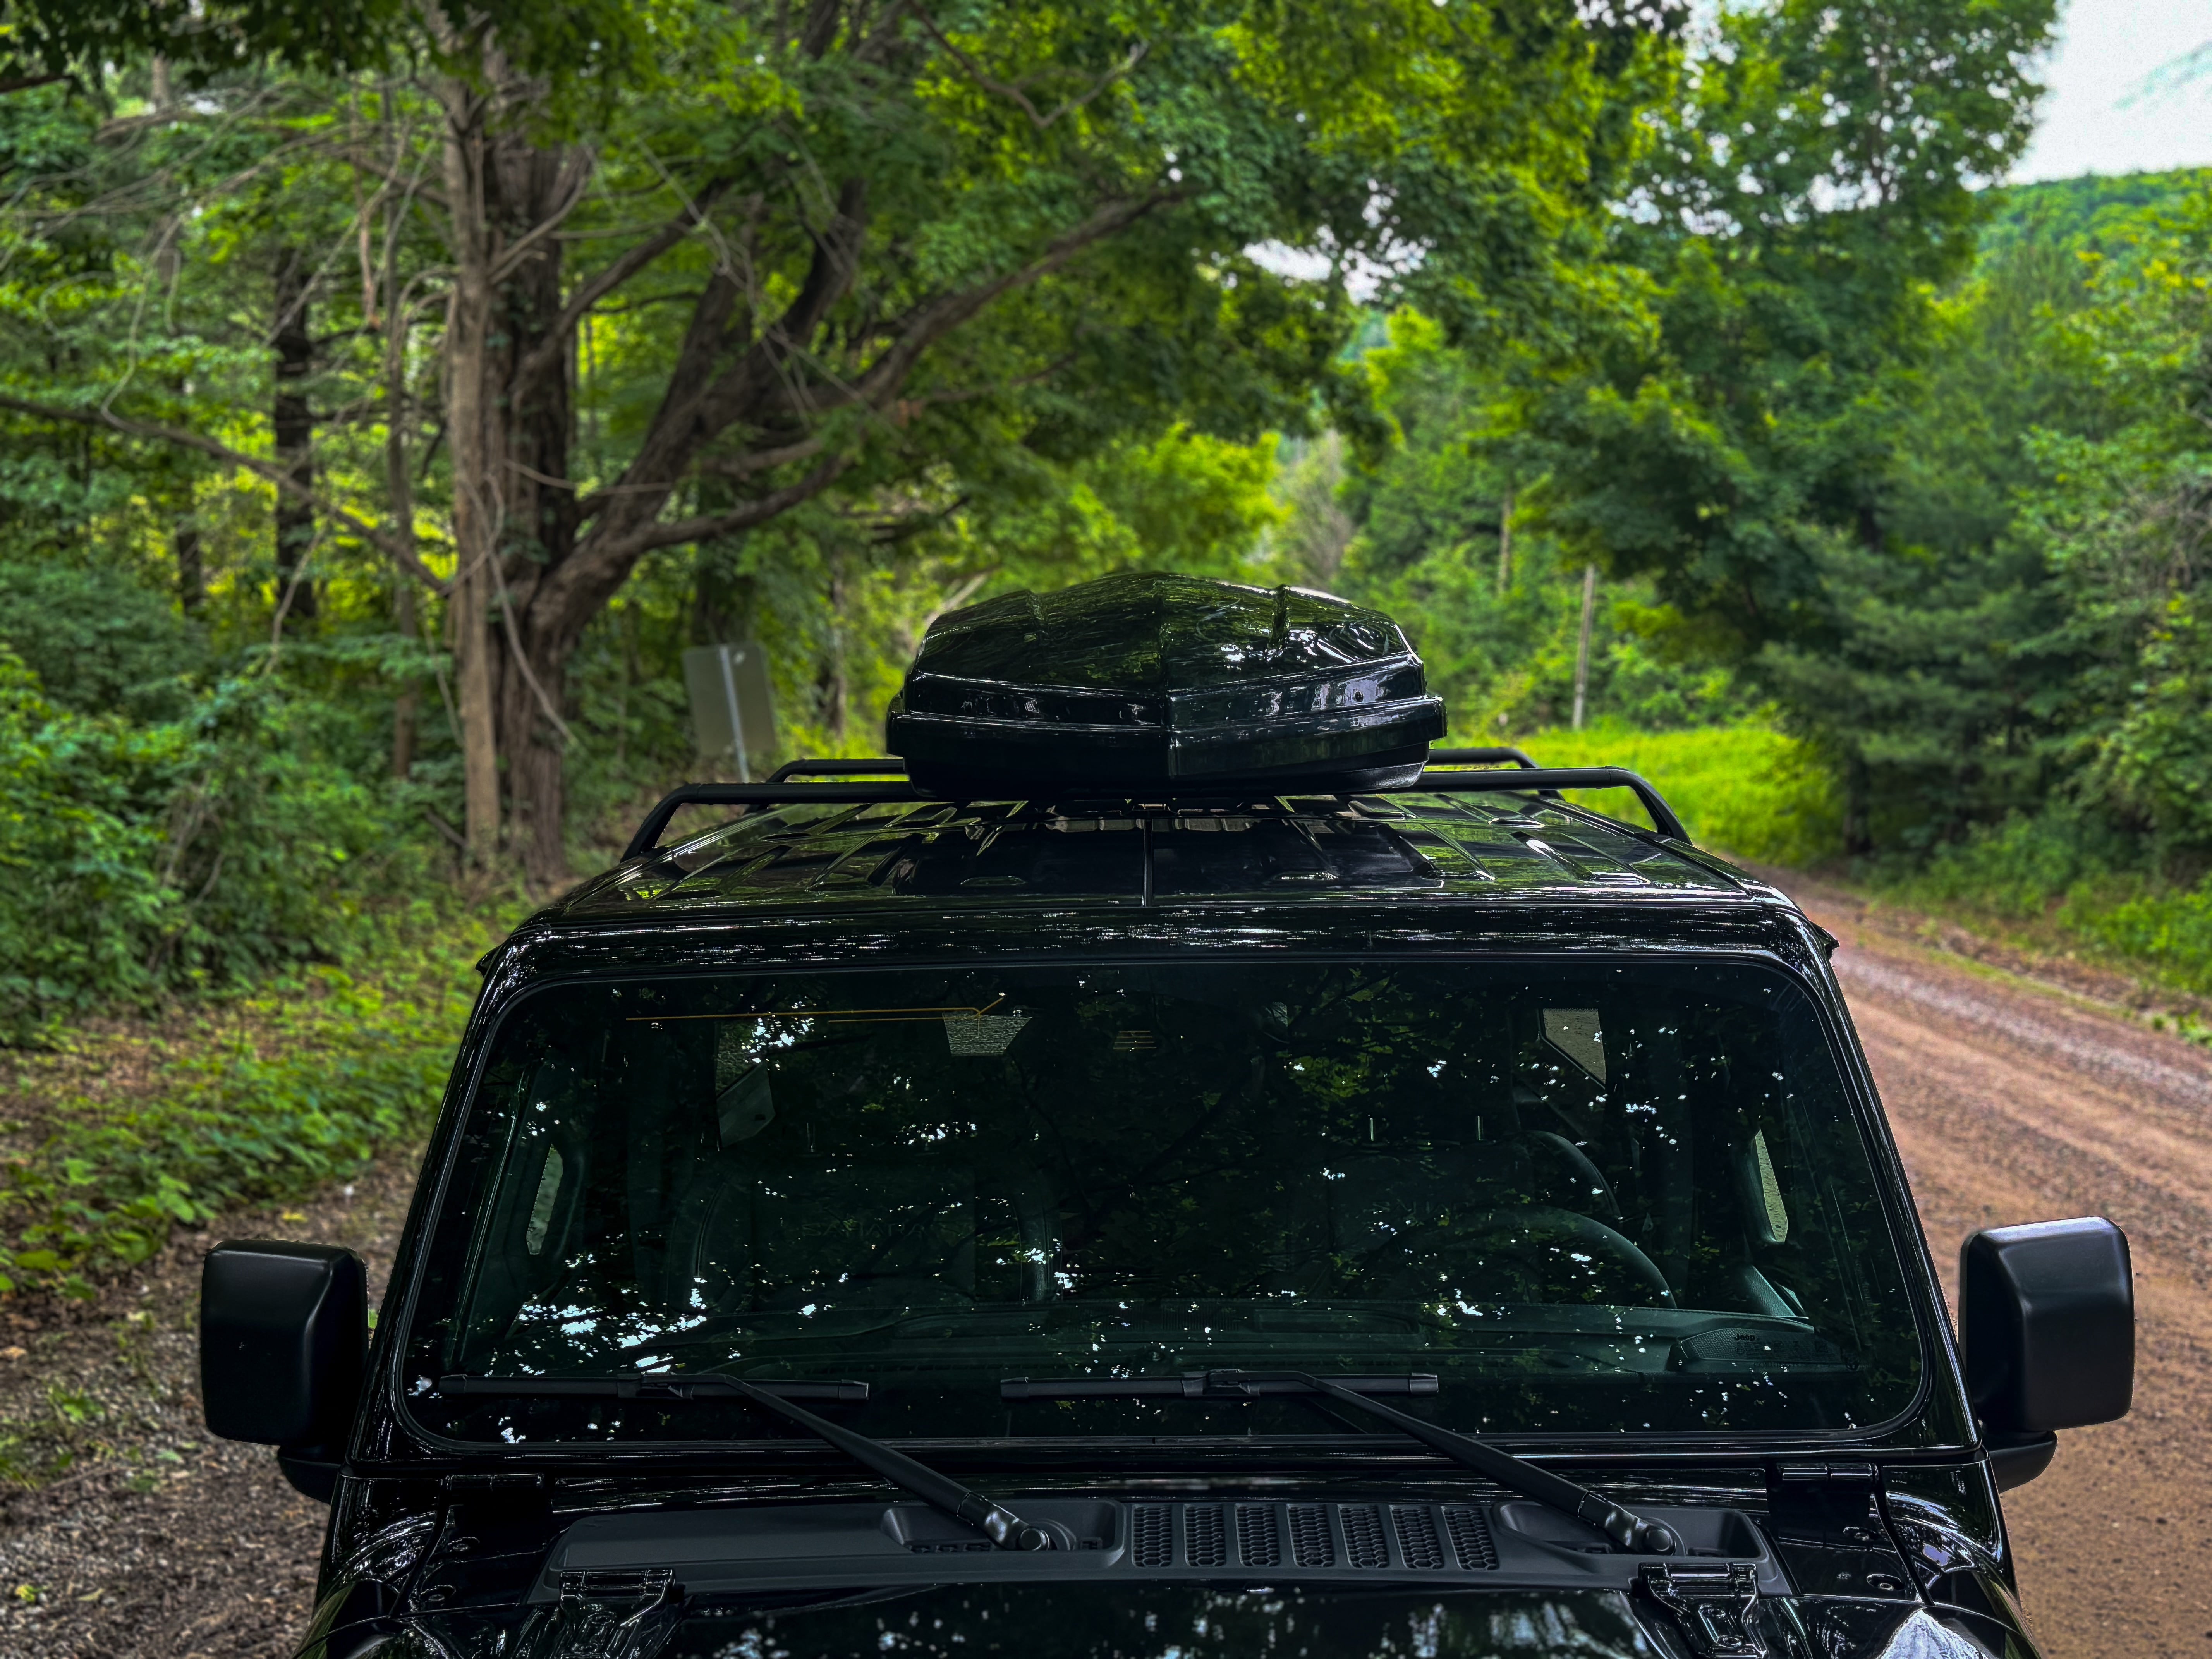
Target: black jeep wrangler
1172,1168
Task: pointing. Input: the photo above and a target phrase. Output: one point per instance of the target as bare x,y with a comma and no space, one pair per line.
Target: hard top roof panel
1269,850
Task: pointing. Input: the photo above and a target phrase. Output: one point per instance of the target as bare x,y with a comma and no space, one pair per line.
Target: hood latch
1712,1602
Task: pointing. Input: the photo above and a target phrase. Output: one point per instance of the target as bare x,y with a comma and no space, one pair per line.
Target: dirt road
2012,1101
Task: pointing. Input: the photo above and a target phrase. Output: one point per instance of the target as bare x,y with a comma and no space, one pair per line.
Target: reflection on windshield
1616,1200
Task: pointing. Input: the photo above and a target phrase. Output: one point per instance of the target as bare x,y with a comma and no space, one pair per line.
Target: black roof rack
835,769
787,788
1481,757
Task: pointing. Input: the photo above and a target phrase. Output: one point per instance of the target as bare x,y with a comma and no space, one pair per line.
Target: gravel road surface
2018,1100
2012,1100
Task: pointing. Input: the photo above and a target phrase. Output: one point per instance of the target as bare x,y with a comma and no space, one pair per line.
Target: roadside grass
1748,790
2047,885
122,1129
2050,885
2033,883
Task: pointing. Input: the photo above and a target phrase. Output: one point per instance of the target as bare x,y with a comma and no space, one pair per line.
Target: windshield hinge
1712,1601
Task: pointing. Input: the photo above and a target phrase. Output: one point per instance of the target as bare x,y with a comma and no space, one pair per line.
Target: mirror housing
283,1345
2046,1322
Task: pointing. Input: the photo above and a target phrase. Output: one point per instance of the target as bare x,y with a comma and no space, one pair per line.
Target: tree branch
933,320
707,527
755,390
578,167
973,71
403,556
361,162
553,347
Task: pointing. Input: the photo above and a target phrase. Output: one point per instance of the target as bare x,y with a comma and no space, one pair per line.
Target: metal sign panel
732,705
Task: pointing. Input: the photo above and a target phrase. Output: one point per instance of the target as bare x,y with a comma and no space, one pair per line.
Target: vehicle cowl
1049,1620
1235,1577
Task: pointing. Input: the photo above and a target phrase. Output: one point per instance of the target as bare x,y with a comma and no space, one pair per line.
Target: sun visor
1147,681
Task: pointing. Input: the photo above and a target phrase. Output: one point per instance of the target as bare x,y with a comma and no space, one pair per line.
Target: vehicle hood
1060,1620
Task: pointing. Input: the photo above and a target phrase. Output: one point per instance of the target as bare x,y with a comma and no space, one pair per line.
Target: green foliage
99,640
1416,532
1748,791
147,858
260,1098
1813,180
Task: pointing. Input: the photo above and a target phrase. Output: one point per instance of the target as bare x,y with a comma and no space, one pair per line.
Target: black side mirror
283,1339
2047,1320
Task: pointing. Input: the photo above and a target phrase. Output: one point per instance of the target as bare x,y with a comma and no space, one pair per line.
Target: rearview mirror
2047,1322
283,1335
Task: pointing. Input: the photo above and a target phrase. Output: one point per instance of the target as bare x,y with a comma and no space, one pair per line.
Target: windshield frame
1938,1364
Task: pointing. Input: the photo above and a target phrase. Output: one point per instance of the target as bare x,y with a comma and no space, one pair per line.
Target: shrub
191,854
1745,790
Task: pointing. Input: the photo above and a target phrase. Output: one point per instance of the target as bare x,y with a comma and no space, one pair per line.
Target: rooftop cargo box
1149,681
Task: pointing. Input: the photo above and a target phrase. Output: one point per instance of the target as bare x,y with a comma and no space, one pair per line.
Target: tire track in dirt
2011,1102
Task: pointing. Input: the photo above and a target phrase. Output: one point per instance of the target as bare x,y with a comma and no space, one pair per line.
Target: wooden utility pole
1581,643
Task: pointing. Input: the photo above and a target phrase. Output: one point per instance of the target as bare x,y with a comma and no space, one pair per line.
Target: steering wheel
1526,1230
1591,1177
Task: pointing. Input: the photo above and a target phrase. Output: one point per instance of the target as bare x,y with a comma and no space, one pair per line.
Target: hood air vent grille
1259,1535
1205,1543
1471,1540
1417,1537
1152,1535
1365,1537
1310,1540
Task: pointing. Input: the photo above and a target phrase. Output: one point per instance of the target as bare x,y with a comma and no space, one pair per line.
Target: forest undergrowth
119,1128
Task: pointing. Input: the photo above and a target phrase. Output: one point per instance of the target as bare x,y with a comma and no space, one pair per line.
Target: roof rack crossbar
760,794
835,769
1545,780
1540,779
1481,757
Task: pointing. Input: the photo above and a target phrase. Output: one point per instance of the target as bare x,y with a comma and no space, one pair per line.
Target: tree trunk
835,688
476,529
399,494
1858,806
191,568
527,186
293,420
407,707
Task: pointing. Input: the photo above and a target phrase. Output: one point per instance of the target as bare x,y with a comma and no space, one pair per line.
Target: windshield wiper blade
994,1520
647,1385
1626,1527
1195,1386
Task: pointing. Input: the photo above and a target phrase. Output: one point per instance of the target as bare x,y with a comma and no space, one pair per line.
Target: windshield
1611,1199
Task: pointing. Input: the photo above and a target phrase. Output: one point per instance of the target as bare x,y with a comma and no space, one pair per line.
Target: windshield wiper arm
994,1520
1626,1527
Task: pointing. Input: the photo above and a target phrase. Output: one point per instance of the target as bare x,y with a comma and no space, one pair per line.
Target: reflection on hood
1070,1622
1086,1621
